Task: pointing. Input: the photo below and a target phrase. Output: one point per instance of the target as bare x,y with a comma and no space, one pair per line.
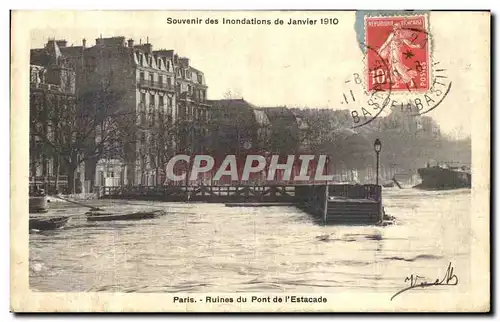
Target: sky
277,65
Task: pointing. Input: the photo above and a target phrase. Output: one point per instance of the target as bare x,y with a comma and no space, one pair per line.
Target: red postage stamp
397,53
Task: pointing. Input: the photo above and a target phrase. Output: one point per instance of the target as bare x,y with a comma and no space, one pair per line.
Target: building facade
52,94
193,108
243,128
161,90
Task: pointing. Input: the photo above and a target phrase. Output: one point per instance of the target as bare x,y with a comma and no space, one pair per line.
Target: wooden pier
327,203
343,204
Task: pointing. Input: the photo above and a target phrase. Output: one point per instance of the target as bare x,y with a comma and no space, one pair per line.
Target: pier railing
260,192
367,191
212,193
342,203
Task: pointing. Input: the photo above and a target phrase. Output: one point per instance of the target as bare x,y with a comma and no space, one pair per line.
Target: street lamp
377,145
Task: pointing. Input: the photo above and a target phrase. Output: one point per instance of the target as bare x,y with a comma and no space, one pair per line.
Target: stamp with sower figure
403,44
400,71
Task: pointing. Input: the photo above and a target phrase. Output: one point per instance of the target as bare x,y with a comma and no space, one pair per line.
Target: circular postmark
429,84
399,72
365,102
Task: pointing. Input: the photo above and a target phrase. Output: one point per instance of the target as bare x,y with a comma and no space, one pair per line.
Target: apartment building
165,93
52,90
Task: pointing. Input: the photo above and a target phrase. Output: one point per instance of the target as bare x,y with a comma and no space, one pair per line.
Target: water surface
202,247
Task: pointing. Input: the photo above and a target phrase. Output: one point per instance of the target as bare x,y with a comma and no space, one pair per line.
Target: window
200,79
169,114
169,81
181,111
151,77
161,116
162,101
160,79
143,116
151,99
143,98
169,108
152,116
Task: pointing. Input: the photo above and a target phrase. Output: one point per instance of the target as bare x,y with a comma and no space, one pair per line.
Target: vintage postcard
250,161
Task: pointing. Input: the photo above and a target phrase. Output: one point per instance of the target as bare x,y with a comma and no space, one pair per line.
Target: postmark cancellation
400,70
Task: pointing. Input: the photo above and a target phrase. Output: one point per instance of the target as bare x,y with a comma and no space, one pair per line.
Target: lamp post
377,145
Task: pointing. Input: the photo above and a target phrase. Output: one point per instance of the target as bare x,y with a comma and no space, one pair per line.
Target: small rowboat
388,184
38,204
103,216
48,223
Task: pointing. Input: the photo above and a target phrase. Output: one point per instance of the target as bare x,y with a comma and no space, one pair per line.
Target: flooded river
201,247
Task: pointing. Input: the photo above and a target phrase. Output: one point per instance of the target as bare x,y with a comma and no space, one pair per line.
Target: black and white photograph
237,161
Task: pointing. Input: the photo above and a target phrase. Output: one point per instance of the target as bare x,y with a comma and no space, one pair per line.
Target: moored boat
48,223
444,176
111,216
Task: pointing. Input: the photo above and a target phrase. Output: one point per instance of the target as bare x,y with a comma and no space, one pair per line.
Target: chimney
184,61
164,52
84,42
61,43
148,48
131,42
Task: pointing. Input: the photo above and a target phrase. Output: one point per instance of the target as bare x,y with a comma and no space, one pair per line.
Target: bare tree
162,132
77,128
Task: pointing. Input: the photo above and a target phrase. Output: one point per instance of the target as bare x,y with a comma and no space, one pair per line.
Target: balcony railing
49,87
52,178
193,98
156,85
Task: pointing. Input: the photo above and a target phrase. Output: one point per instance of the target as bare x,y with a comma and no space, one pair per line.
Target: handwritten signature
415,281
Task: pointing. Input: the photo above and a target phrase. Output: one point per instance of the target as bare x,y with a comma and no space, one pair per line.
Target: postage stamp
401,43
401,72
